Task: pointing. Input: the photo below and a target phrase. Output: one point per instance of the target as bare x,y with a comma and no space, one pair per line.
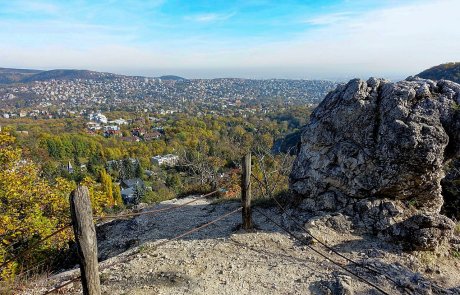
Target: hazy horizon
209,74
261,39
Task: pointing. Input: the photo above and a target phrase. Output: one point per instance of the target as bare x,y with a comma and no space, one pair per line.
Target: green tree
128,169
174,182
139,192
139,172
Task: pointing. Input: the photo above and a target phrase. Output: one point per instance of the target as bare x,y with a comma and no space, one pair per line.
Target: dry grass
23,281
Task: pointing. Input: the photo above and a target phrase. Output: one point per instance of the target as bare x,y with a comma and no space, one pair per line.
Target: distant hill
172,77
449,71
8,76
67,75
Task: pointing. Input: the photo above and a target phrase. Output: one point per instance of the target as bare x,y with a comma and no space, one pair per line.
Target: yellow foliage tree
32,208
117,195
106,182
97,195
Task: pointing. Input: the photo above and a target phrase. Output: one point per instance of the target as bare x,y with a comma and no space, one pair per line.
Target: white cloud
396,41
33,6
210,17
328,19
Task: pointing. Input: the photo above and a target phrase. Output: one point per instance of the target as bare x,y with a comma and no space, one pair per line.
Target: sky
299,39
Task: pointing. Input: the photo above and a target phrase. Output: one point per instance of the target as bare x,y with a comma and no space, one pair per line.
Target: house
119,122
159,129
93,126
98,117
129,189
111,127
151,135
112,130
138,132
127,195
110,133
133,182
166,160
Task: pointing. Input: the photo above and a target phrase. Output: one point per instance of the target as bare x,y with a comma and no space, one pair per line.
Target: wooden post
246,191
85,236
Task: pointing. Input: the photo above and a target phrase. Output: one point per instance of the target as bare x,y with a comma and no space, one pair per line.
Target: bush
196,188
162,194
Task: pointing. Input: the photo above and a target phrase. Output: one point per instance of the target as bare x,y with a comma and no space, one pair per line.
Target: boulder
376,151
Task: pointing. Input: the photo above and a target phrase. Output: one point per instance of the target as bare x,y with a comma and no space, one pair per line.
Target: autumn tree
117,195
32,208
107,187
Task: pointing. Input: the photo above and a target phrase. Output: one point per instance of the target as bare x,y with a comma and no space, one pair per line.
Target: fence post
246,191
85,237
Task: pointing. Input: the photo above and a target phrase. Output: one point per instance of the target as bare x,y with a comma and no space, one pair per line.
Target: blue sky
253,38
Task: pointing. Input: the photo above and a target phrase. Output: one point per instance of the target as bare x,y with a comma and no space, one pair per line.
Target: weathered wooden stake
246,191
85,236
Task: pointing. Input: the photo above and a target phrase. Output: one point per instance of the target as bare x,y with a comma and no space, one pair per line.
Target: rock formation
376,150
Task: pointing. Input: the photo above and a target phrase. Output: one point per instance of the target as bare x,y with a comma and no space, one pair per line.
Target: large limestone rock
376,151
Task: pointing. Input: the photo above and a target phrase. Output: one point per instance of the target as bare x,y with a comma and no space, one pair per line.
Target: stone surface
376,151
221,260
425,230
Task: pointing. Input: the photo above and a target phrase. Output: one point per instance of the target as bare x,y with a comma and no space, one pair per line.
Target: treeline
221,138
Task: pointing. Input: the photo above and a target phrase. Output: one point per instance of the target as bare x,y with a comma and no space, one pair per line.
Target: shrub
162,194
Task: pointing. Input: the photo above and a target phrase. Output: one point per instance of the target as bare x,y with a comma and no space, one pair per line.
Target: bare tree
201,166
271,170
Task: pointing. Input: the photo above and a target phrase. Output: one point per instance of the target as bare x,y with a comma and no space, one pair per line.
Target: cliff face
376,150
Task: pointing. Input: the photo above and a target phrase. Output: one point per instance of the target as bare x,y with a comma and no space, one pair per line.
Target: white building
166,160
93,126
119,122
99,117
111,128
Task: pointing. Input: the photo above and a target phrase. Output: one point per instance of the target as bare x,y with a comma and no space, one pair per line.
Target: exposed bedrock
376,151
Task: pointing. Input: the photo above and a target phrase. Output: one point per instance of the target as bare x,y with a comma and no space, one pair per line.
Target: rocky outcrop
451,190
376,151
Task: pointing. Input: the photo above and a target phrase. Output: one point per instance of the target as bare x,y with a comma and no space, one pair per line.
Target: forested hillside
448,71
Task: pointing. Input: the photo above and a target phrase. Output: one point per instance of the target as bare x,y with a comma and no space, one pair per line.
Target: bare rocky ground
222,259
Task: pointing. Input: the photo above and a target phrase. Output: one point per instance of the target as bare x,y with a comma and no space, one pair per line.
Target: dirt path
221,259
